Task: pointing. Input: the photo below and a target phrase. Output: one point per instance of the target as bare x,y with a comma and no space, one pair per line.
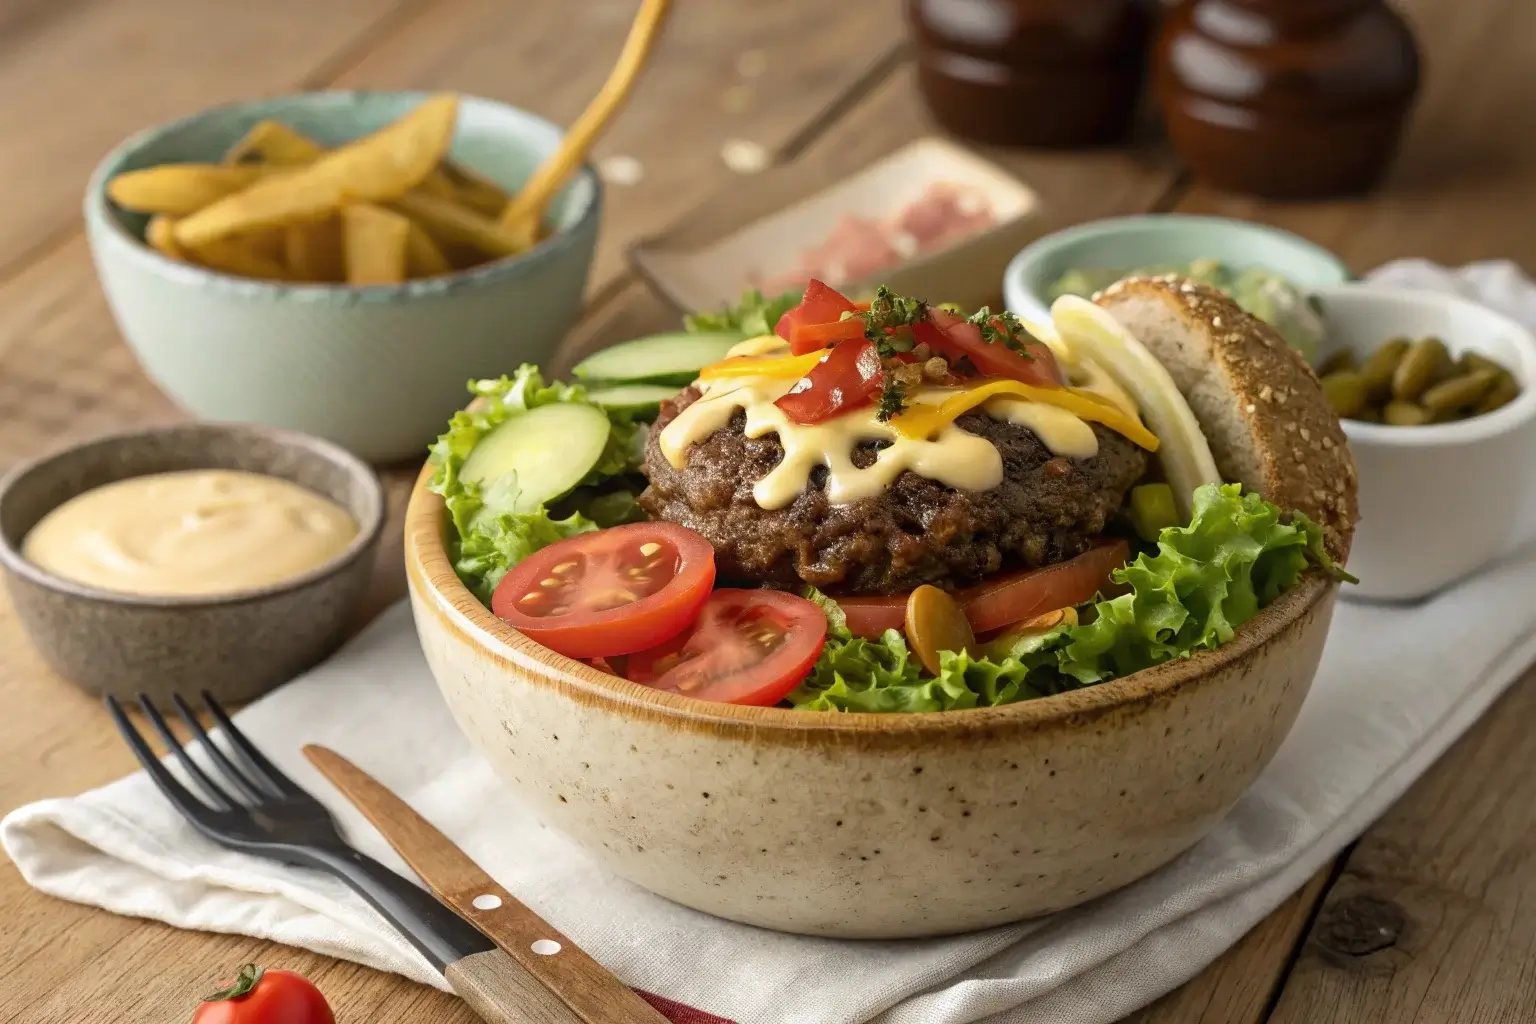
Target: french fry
524,216
179,189
375,242
312,250
160,233
272,142
376,168
474,191
423,257
234,254
450,222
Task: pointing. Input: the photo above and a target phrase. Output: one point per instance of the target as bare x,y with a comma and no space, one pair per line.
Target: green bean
1423,365
1343,359
1504,390
1458,394
1405,414
1346,392
1378,369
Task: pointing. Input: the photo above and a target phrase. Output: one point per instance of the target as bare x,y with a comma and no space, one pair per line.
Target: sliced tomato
848,378
869,617
952,336
1014,597
810,337
819,305
745,647
611,592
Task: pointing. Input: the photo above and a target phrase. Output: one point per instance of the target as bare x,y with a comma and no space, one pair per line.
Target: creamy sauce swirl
192,532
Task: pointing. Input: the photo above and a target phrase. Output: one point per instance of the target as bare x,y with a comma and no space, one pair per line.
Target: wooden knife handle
540,953
500,991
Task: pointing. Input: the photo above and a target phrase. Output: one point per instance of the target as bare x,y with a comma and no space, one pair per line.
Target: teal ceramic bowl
1130,242
376,369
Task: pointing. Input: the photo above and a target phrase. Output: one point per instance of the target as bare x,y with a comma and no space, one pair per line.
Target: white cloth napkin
1397,685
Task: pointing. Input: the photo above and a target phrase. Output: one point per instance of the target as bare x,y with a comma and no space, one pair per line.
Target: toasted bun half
1259,404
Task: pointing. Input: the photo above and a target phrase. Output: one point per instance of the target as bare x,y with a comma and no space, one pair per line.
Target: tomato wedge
819,305
746,647
953,336
1005,599
849,377
611,592
1014,597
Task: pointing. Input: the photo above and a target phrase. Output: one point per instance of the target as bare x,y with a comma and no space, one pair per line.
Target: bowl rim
98,213
1016,280
440,593
370,523
1517,414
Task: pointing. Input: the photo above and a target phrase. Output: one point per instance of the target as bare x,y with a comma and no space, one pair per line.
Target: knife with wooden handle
557,982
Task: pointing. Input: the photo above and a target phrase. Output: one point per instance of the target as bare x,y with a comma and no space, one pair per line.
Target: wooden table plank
76,78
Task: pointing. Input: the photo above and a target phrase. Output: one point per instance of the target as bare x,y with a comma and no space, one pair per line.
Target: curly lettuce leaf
1238,554
753,316
494,527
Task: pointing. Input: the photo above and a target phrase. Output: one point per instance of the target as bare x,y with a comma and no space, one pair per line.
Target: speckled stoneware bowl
376,369
237,646
859,825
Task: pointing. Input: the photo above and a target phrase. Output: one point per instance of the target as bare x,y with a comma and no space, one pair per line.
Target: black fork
254,808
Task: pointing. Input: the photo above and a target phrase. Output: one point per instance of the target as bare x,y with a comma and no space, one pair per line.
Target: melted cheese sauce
954,457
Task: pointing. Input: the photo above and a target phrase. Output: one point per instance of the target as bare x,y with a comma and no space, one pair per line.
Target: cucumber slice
640,400
550,449
674,358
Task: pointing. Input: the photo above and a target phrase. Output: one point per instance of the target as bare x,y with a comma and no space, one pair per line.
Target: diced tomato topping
810,337
952,336
848,378
820,305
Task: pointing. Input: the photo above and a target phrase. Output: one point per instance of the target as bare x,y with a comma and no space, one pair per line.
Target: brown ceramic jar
1032,72
1286,98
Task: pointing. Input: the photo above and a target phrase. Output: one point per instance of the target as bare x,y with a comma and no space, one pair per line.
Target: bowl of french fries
341,263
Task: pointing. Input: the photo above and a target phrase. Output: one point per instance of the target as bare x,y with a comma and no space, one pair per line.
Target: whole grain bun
1260,405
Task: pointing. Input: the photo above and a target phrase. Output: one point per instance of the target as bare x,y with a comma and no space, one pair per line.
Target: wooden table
1454,857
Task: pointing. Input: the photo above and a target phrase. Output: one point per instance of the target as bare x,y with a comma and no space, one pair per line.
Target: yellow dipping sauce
201,531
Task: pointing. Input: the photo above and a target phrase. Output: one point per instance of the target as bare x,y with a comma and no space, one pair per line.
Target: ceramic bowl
861,825
237,646
1441,501
375,369
1162,238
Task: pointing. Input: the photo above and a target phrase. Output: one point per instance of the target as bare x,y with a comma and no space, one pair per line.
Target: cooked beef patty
1047,509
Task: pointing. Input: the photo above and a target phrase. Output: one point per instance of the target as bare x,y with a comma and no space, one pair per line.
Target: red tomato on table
747,647
260,996
611,592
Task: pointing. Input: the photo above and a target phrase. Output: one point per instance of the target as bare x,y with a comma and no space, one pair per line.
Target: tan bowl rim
429,571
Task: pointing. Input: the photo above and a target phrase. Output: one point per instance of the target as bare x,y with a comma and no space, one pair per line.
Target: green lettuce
753,316
1238,554
495,528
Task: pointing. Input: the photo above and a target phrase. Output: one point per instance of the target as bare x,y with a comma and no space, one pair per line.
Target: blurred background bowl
1125,243
376,369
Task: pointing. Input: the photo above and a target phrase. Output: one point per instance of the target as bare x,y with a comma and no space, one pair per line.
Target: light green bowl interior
498,142
1126,243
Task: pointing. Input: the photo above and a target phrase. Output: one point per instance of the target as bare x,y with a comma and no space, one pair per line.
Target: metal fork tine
217,795
167,783
248,749
246,785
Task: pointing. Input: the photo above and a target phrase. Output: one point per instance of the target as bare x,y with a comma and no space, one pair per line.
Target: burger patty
1047,509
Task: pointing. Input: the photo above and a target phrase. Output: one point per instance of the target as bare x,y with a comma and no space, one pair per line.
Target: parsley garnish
893,396
1001,328
887,311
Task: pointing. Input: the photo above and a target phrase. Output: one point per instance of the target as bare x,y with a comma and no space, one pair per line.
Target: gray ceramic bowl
236,646
376,369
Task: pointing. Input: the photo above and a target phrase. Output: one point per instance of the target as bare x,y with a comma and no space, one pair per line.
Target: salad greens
753,316
1238,554
496,526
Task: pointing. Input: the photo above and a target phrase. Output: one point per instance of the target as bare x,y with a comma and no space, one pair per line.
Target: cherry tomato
848,378
611,592
747,647
1014,597
265,997
953,336
819,305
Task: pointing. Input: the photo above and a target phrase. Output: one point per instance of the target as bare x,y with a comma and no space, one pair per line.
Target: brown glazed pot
1286,99
864,825
1032,72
